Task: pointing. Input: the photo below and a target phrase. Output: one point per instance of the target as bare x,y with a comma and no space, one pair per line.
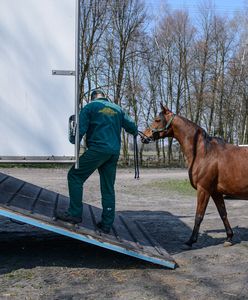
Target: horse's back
233,158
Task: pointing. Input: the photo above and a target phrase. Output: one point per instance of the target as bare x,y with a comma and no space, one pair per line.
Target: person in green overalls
102,122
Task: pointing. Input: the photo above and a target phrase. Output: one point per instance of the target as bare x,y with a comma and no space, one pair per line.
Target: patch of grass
19,275
10,276
181,186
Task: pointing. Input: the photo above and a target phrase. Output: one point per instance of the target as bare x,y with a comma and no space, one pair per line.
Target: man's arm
129,125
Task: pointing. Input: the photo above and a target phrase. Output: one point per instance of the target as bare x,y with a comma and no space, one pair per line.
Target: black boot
65,216
103,228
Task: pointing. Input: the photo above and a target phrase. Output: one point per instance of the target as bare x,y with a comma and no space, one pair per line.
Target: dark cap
97,93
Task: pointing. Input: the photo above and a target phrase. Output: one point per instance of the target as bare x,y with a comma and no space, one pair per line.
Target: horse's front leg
220,204
202,202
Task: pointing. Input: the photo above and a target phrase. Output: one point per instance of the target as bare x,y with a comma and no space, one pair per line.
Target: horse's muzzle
155,135
146,140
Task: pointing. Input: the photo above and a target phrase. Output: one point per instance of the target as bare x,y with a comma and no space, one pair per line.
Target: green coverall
102,122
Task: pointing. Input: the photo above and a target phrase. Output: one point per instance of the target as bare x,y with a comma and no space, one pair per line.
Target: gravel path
35,264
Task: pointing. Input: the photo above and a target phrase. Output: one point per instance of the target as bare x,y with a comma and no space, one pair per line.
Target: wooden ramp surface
31,204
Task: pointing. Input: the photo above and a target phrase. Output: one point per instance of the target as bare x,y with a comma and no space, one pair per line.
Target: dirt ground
35,264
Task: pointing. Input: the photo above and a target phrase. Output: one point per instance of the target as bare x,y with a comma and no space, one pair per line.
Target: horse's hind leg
202,202
220,204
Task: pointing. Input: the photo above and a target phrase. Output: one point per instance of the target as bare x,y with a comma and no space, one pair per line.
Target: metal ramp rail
31,204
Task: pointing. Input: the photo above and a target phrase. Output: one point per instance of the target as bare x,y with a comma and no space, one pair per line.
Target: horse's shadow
172,233
240,234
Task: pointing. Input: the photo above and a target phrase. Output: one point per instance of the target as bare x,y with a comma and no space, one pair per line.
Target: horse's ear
165,109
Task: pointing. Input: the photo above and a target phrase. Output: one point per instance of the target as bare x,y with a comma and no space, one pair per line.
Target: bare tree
94,21
199,71
126,22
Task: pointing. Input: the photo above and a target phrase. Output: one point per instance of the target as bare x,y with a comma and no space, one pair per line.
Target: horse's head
160,127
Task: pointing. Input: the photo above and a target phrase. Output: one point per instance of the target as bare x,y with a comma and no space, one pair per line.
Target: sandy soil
35,264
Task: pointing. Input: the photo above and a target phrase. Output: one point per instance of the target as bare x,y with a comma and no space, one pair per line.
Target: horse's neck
188,136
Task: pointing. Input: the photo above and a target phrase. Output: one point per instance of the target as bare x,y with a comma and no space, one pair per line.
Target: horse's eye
157,120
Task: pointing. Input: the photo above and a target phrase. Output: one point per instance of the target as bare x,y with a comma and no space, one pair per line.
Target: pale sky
223,7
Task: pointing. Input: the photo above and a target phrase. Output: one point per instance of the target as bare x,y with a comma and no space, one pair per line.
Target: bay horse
215,168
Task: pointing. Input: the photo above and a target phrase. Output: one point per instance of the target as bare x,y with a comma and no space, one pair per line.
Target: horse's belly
234,188
233,175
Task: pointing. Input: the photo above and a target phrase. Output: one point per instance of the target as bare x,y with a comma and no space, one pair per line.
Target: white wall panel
36,36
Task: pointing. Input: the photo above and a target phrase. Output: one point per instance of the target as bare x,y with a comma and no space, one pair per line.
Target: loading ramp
37,206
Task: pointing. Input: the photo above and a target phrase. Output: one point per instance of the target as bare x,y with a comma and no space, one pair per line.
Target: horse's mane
208,140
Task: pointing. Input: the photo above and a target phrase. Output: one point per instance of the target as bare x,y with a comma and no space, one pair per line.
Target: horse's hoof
228,243
186,247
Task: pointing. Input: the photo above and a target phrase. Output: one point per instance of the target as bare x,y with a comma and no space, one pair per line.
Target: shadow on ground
31,247
171,232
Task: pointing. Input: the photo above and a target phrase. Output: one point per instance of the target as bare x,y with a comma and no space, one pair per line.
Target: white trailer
36,38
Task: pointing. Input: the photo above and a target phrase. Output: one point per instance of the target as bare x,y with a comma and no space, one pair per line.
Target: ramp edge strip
63,231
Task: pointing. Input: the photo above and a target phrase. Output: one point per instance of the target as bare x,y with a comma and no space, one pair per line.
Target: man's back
102,122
